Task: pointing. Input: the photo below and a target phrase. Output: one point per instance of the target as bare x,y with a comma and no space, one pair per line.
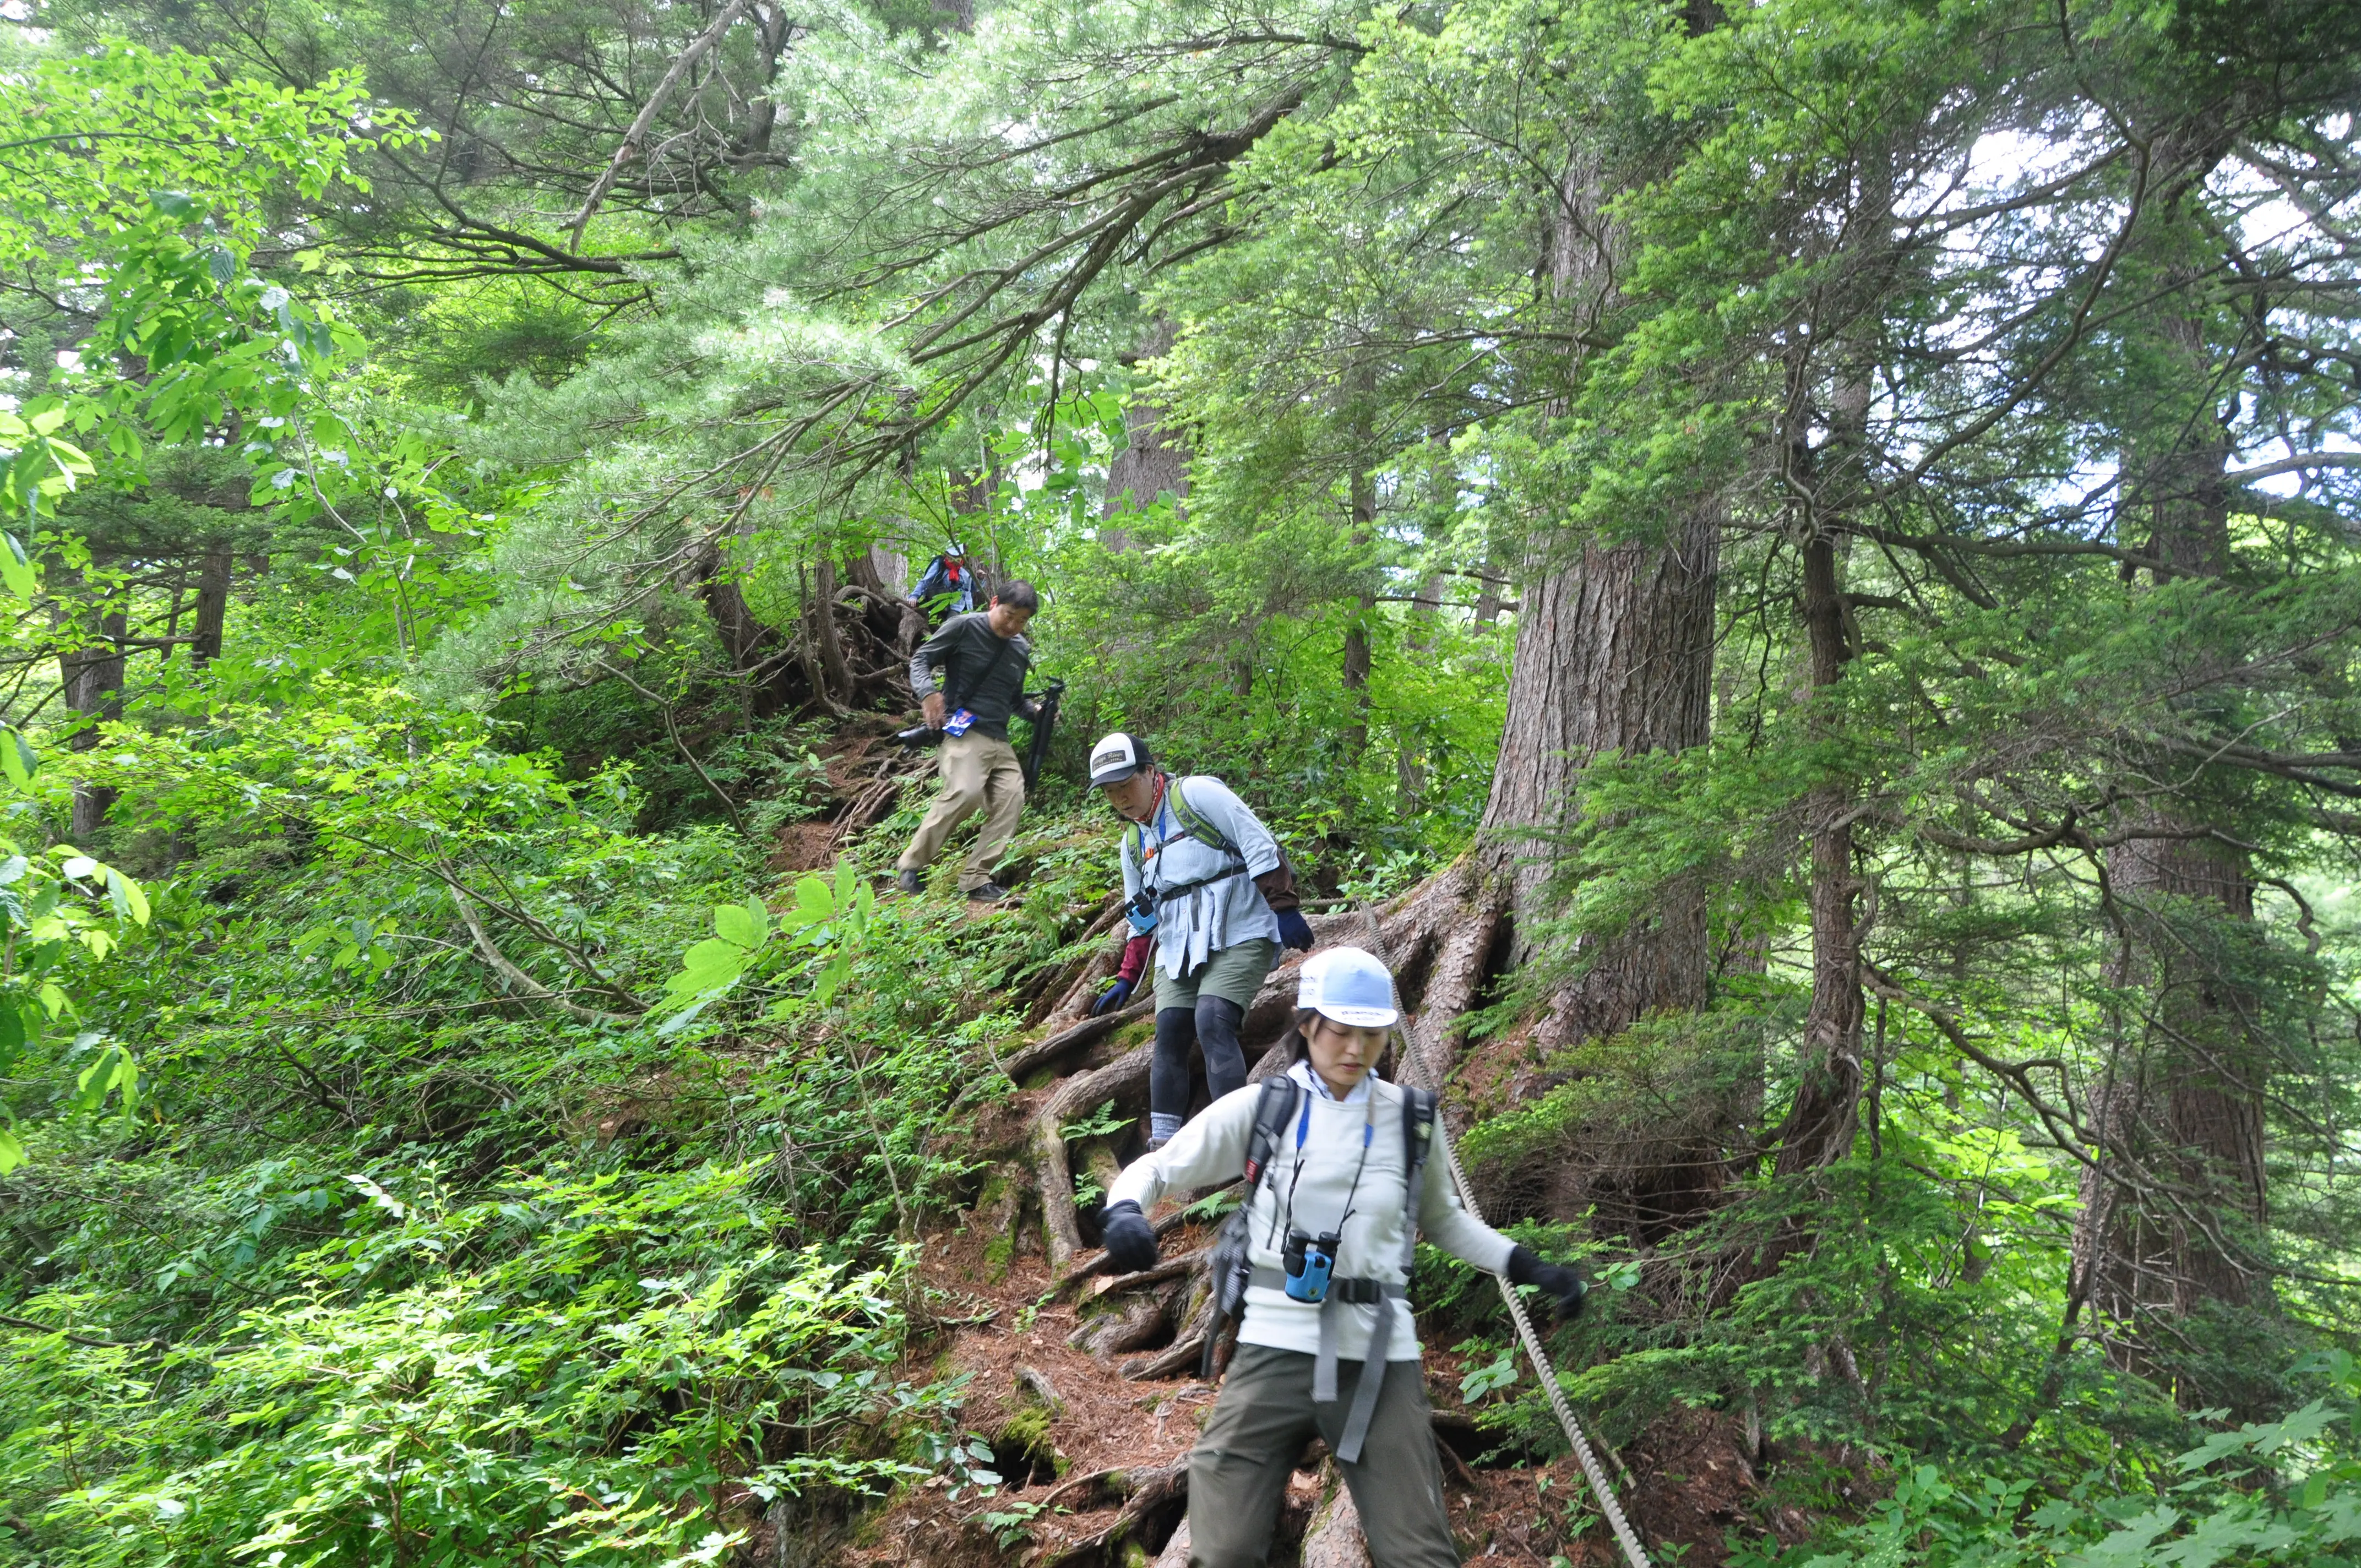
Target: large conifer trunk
2180,1184
1614,654
1614,651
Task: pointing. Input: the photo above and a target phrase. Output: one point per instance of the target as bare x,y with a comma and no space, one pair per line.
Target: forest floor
1088,1451
1088,1388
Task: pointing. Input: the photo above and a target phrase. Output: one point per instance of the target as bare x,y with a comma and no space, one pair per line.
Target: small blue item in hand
1294,931
958,723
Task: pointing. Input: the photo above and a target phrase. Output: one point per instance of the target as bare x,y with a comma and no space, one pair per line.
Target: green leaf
12,1152
709,966
17,759
813,902
15,570
130,900
745,924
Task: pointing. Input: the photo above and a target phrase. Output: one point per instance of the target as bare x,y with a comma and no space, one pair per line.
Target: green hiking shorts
1234,974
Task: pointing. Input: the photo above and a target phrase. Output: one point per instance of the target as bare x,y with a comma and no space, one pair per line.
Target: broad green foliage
553,1371
830,918
2282,1492
142,183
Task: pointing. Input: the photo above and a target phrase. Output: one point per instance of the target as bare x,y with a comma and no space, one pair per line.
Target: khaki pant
1238,1471
979,773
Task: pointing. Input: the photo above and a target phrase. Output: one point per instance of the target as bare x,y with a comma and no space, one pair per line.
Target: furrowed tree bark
2184,1101
1155,461
213,605
92,679
1614,654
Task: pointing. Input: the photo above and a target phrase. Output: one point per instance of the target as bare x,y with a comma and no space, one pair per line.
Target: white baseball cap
1348,985
1118,756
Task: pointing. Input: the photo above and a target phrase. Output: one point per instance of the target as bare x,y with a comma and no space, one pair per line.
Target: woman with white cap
1331,1153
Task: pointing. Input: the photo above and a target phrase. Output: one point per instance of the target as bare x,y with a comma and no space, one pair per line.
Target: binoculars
1309,1261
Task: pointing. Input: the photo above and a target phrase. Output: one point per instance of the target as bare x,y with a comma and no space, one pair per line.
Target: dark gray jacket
982,672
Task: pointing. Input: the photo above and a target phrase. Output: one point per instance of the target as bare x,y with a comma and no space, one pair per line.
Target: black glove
1561,1284
1294,931
1130,1239
1117,993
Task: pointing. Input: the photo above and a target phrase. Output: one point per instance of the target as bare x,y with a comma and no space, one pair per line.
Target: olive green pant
979,773
1234,972
1238,1471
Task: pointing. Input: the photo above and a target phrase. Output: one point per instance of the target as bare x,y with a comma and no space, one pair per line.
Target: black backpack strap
1418,1141
1233,1267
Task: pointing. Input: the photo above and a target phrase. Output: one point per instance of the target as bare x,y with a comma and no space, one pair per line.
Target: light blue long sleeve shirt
1196,924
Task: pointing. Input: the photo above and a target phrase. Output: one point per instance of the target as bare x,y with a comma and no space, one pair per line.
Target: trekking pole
1418,1060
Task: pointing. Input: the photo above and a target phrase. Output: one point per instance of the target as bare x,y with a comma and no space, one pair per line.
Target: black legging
1214,1027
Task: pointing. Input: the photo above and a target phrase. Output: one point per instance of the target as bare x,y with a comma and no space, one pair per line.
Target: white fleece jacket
1212,1150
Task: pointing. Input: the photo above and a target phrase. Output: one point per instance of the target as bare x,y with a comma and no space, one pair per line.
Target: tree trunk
92,679
762,113
1614,652
213,605
1361,500
826,637
2182,1106
1826,1111
1155,462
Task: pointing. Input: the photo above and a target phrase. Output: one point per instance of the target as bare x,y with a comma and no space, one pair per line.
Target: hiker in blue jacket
947,587
1203,881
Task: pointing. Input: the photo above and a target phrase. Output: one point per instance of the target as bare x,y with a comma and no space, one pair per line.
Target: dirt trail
1088,1388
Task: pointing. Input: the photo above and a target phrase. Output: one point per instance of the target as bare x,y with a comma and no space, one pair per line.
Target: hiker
1331,1153
947,587
1205,881
984,656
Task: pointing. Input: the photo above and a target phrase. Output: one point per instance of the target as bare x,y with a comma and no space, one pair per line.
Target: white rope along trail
1418,1060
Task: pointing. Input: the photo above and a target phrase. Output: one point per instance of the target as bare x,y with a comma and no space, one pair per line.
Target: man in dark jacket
983,658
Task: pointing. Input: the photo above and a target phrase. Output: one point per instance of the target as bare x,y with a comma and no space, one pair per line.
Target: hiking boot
907,882
988,893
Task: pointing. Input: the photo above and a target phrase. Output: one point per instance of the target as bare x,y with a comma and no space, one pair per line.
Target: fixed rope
1420,1064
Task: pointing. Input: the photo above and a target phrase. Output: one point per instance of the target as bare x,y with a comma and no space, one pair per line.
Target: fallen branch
72,1338
518,980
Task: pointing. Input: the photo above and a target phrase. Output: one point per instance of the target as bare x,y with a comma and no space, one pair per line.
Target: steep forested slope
1792,566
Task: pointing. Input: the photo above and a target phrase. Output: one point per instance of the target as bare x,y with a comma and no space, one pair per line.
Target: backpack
1195,824
1232,1262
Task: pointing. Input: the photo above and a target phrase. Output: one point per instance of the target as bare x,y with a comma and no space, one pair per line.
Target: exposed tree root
1090,1031
1123,1078
1151,1491
1336,1539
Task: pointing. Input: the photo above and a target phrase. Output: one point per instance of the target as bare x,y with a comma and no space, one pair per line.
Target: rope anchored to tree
1419,1064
